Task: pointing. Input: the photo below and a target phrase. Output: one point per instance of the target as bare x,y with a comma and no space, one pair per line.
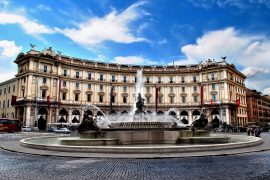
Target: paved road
245,166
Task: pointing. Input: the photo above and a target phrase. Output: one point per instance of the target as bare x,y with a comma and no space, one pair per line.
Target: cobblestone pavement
20,166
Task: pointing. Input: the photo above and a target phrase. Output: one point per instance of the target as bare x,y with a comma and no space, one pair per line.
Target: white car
62,130
26,129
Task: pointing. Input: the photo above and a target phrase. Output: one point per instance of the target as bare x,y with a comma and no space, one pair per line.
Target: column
69,116
190,120
27,116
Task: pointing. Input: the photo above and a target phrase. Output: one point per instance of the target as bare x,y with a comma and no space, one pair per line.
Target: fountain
138,132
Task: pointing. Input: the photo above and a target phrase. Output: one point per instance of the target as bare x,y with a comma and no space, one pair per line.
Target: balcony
101,79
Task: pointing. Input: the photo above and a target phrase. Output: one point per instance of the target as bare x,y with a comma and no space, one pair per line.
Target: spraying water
139,88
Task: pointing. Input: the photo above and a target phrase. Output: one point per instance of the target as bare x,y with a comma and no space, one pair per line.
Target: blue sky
142,32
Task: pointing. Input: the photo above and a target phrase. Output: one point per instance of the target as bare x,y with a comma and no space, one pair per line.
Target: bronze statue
88,124
140,105
199,123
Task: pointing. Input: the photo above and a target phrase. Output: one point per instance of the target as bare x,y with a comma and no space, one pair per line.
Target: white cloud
8,49
29,26
133,60
44,7
266,91
115,26
250,52
253,71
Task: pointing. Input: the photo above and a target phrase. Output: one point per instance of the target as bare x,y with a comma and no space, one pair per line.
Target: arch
63,116
184,113
89,113
63,111
124,112
76,112
195,115
42,118
173,114
215,112
160,113
184,117
75,116
99,113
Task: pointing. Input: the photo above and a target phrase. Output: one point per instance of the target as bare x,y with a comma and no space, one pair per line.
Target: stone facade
258,107
72,82
7,89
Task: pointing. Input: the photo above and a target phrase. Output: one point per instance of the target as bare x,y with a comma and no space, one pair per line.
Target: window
171,89
44,68
195,99
4,104
113,78
0,104
4,90
8,103
76,97
77,74
183,79
148,89
124,88
44,80
194,78
171,79
159,89
64,96
89,96
124,78
43,93
213,86
195,88
147,80
8,89
77,85
0,92
183,99
101,77
64,83
213,76
89,86
160,99
65,72
148,100
159,79
14,87
89,76
23,93
101,99
101,87
124,99
172,99
135,79
214,97
183,89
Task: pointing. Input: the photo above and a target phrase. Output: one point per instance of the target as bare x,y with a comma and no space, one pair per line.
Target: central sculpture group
89,123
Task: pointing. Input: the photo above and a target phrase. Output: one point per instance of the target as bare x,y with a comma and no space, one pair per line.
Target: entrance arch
124,112
173,114
42,118
160,113
63,116
184,117
76,116
89,113
195,115
215,118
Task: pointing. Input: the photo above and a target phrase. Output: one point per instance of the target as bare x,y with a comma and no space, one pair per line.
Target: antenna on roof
223,58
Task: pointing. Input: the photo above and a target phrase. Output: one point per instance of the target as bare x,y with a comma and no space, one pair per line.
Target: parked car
62,130
52,129
26,129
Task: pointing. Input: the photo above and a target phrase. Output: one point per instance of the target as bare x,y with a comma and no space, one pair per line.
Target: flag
201,95
156,98
49,101
237,103
13,100
59,90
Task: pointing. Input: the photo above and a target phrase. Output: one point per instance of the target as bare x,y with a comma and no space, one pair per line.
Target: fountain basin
144,135
204,140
